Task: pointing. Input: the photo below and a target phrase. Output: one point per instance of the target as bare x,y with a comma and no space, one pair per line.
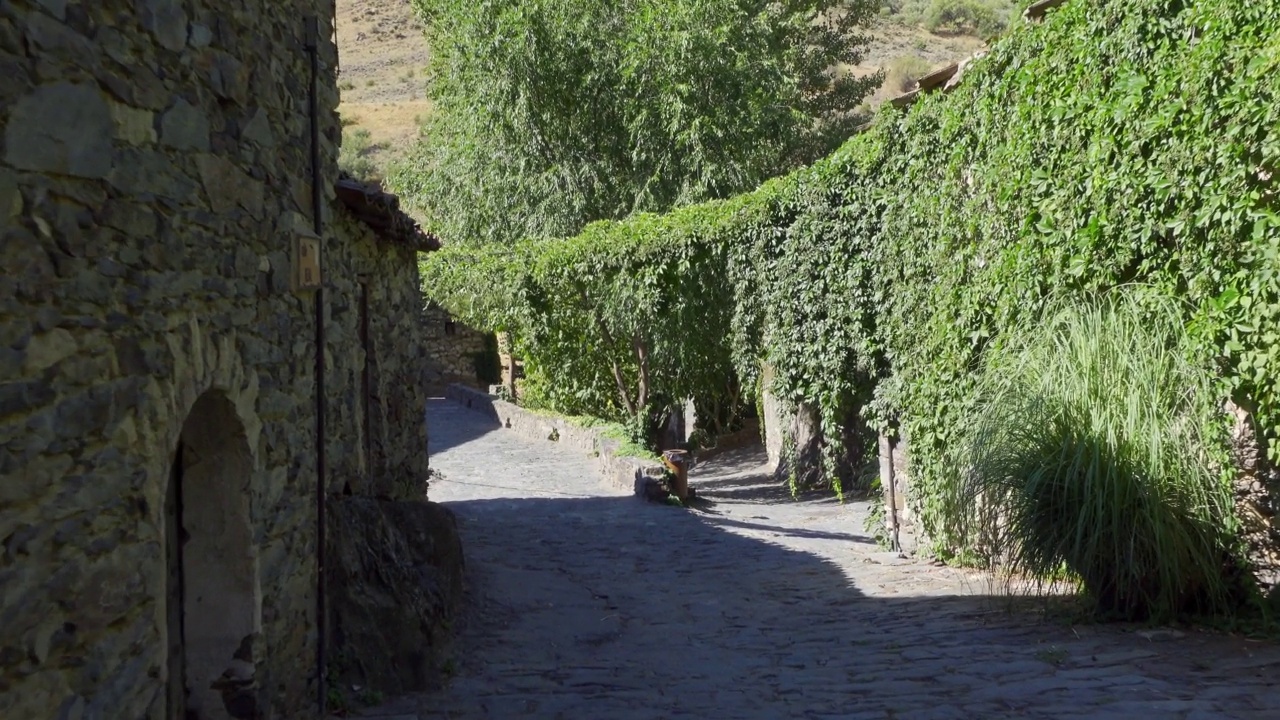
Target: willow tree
550,114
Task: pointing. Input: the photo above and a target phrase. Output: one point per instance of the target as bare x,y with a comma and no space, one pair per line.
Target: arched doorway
213,602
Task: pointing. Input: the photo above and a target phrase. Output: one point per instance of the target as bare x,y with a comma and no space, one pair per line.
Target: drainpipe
317,200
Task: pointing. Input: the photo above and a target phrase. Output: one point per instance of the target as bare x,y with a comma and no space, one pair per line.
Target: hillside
382,62
383,58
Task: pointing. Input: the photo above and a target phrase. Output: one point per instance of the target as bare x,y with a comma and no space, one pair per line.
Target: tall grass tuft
1094,456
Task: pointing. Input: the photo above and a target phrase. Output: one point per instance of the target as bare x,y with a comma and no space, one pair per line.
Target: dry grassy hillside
382,75
384,57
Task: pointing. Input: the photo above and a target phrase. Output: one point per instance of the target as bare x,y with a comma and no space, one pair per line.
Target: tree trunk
509,359
642,356
622,389
613,364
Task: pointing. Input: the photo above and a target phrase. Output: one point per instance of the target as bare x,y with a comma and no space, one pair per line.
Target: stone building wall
451,349
377,284
155,362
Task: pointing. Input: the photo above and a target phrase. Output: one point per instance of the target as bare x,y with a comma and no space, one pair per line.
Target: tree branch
617,371
642,356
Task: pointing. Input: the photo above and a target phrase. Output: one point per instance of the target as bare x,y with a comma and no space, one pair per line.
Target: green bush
353,158
904,71
487,362
969,17
1094,449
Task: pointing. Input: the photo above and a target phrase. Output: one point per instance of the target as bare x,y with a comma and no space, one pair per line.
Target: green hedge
1116,142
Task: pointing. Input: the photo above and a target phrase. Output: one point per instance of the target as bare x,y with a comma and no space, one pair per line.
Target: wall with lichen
154,172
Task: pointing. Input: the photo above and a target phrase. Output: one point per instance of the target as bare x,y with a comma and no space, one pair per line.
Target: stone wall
154,174
395,584
375,317
451,349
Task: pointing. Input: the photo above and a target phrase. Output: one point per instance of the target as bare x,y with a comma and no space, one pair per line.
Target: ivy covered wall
1115,142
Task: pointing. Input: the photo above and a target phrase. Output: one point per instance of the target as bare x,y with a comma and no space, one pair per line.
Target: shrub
904,71
1093,451
354,158
969,17
1094,149
487,362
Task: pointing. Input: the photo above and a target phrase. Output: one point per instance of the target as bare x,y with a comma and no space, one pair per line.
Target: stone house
208,343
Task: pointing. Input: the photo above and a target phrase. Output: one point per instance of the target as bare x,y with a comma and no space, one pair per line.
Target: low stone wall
395,588
625,473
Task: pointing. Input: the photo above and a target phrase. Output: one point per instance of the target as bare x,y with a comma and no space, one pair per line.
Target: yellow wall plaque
306,263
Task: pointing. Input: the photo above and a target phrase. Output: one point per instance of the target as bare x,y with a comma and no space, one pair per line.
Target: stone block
228,77
185,127
199,36
49,36
62,129
48,349
258,130
227,186
10,198
14,76
167,22
133,219
56,8
20,397
150,172
134,125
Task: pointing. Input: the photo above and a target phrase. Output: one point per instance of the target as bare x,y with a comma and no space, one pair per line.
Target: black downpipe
317,199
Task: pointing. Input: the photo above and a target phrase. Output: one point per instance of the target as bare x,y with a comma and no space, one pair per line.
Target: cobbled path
589,604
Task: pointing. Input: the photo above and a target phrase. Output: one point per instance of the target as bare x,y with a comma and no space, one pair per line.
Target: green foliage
981,17
1040,173
487,362
549,114
1096,446
903,72
1116,142
627,444
970,17
353,158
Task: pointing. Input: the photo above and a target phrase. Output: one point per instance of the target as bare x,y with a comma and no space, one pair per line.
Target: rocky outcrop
394,587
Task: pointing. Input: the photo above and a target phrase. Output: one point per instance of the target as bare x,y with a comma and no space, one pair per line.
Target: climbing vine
1117,141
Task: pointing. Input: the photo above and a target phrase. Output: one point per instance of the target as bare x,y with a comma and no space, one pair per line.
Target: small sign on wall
306,263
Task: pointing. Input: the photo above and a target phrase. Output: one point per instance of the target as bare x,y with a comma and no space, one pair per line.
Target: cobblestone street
587,603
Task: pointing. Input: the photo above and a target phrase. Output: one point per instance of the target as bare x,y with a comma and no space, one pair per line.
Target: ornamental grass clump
1094,456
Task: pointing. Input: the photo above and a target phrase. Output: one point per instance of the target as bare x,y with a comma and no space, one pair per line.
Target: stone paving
588,603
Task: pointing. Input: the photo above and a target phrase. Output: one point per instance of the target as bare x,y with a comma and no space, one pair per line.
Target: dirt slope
383,57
